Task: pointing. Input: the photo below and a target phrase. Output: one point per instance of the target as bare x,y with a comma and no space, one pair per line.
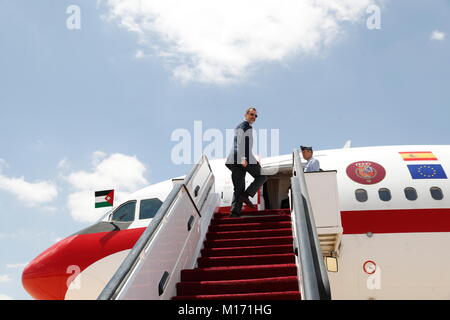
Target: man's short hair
306,148
251,108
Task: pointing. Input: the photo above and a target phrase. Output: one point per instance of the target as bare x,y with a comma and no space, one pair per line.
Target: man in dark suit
240,161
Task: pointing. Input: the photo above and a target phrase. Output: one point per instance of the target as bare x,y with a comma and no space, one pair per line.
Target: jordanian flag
104,198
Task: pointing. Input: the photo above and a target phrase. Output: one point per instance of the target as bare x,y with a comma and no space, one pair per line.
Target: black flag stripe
102,193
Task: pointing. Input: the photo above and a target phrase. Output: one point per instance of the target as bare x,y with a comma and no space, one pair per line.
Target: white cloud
4,278
117,170
437,35
48,209
16,265
29,193
139,54
3,164
14,235
124,174
57,239
98,156
202,40
63,164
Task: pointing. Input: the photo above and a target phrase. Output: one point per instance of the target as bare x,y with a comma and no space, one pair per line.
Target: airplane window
125,212
361,195
384,194
149,208
410,193
436,193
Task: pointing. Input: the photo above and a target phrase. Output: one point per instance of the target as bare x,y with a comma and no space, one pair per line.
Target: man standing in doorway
240,161
312,163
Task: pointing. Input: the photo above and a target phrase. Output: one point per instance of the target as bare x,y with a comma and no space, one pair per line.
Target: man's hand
244,163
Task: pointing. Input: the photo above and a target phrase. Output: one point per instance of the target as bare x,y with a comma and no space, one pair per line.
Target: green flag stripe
103,204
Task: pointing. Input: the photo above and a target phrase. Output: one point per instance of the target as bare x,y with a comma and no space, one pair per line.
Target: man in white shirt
312,163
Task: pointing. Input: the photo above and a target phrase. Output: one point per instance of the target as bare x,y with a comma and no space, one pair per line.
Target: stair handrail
314,277
111,290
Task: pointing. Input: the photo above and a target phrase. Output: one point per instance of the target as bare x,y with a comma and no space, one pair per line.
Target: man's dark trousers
238,172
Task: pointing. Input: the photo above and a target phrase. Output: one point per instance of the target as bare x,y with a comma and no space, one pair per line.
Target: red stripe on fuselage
396,221
46,276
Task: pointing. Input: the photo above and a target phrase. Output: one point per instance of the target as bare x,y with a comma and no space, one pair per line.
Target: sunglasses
253,115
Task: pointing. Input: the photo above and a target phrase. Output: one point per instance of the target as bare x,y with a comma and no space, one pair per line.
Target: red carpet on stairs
245,258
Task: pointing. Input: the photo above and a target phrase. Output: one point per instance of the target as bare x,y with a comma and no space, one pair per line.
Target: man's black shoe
247,201
234,215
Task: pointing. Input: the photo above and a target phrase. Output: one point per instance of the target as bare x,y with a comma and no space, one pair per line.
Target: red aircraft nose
45,277
49,275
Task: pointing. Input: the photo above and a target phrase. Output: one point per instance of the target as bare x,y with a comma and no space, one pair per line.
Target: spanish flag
418,155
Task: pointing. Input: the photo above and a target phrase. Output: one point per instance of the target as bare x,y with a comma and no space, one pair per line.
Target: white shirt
312,165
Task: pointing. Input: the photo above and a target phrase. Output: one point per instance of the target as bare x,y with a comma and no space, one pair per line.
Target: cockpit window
149,207
125,212
410,193
361,195
384,194
436,193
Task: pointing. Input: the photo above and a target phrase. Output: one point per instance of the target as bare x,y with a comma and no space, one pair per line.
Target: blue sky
72,99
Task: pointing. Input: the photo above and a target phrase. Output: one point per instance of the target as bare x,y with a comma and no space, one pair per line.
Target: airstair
250,257
192,249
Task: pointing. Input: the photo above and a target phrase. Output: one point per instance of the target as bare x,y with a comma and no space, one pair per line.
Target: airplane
391,227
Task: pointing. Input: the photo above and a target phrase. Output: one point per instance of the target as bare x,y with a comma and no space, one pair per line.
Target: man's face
251,116
307,154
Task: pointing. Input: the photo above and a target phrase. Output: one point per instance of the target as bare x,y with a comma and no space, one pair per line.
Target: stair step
248,234
239,272
237,286
252,250
228,220
283,212
287,295
250,226
226,210
281,258
245,242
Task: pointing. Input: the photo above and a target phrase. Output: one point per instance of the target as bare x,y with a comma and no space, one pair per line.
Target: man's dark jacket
242,145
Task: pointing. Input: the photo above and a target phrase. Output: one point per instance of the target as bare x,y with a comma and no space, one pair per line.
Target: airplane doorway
276,189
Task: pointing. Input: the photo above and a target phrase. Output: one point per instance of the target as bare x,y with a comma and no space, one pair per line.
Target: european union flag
427,171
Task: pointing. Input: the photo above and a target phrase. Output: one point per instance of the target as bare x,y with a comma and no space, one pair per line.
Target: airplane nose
45,277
